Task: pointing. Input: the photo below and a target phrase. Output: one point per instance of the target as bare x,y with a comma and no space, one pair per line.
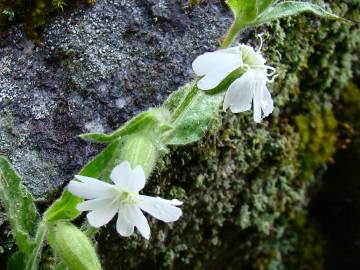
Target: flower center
125,197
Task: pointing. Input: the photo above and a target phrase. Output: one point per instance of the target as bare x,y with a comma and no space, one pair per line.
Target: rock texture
246,187
99,66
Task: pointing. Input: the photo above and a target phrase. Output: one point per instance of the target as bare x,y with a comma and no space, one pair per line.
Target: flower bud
73,247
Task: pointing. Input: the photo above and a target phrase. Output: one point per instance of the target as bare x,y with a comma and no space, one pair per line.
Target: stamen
261,41
273,71
272,79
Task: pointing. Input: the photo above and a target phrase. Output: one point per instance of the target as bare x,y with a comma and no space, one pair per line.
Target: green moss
193,3
318,135
349,114
245,185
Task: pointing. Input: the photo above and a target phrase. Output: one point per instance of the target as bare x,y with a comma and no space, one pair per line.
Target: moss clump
33,12
349,113
318,134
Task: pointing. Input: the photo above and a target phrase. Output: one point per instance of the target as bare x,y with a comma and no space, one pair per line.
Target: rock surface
99,66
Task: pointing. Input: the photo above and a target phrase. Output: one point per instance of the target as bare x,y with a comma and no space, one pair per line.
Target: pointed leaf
262,5
19,206
290,8
244,10
146,120
193,117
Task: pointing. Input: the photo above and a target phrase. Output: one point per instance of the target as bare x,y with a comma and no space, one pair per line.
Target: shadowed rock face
98,67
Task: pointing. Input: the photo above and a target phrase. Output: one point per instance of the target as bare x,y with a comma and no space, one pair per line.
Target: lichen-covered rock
99,67
245,186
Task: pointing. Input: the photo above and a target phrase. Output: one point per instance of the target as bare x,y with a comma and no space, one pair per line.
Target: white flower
104,200
248,90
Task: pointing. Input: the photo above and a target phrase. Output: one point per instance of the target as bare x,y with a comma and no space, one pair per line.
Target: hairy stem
231,34
34,259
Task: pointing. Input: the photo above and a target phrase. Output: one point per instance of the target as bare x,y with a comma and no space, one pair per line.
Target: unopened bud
73,247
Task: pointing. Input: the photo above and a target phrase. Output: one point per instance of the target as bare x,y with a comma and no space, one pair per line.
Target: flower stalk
231,34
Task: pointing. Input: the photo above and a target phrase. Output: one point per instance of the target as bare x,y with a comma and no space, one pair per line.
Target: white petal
240,94
92,181
94,204
216,75
160,208
131,180
257,111
138,181
89,190
133,215
259,101
173,201
123,227
141,223
266,103
121,175
101,216
206,62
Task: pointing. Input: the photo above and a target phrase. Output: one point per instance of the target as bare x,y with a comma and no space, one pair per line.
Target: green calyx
73,246
140,150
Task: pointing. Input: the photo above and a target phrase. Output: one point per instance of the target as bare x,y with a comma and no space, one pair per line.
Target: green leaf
17,261
61,266
193,117
148,120
262,5
19,206
244,10
175,98
100,167
290,8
